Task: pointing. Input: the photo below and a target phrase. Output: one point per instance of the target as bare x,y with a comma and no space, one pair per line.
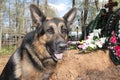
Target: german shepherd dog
37,56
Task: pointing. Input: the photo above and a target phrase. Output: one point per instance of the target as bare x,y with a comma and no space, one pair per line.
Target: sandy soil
92,66
3,61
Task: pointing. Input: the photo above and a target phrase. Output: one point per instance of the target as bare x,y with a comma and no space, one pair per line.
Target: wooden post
110,6
77,32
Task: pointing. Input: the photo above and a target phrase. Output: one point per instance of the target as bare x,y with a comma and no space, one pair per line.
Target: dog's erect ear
70,16
37,16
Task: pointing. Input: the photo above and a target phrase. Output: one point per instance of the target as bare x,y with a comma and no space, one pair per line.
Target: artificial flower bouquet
73,44
93,41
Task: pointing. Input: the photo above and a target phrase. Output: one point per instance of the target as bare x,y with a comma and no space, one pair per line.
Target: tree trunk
96,4
1,15
85,11
84,17
46,3
33,1
73,3
37,2
0,36
1,21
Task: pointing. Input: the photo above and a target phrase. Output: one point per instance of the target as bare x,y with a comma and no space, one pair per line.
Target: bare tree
47,9
45,5
73,3
85,11
0,29
96,4
20,17
33,1
2,4
84,14
38,2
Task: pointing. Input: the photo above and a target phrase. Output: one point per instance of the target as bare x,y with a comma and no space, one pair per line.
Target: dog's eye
50,30
64,31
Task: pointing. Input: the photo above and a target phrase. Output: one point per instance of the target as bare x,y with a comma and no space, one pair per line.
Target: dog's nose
62,46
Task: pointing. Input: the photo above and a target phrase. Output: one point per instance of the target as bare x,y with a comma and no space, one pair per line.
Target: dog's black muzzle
56,49
61,46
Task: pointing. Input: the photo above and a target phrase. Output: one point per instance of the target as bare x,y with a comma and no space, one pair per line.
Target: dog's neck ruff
49,58
115,59
31,51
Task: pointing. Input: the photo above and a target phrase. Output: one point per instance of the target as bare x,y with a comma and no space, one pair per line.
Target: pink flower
68,42
113,39
86,37
113,32
117,49
118,53
80,46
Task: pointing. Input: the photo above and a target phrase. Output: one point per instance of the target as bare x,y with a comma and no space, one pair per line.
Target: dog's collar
115,59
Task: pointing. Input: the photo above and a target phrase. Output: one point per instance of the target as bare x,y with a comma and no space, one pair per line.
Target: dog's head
52,32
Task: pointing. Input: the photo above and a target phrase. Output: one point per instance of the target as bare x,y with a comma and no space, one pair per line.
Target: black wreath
112,52
114,57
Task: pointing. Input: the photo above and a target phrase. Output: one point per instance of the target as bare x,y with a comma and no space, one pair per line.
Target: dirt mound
92,66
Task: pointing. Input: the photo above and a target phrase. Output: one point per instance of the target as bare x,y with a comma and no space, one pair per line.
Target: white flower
74,42
91,34
97,31
92,46
93,40
85,46
103,39
88,41
99,44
